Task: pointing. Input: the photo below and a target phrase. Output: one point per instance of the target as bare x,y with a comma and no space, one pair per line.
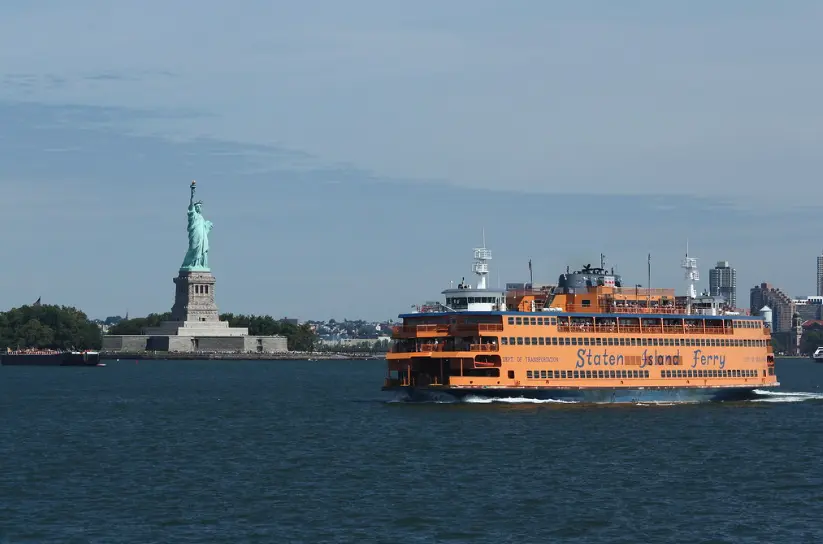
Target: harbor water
313,451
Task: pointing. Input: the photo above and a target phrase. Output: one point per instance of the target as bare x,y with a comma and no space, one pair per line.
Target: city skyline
350,158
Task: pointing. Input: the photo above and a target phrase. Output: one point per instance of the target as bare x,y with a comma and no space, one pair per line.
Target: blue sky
350,153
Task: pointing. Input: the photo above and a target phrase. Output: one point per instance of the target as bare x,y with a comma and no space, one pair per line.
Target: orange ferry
589,338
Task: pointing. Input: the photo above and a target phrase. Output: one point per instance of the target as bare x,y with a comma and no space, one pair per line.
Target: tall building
820,275
723,282
782,306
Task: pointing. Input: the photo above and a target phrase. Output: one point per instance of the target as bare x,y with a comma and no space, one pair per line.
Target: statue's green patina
197,257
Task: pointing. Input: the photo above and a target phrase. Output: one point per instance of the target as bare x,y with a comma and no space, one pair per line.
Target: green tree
48,326
812,339
135,326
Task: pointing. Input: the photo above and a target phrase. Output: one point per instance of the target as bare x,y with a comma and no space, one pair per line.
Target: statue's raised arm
191,200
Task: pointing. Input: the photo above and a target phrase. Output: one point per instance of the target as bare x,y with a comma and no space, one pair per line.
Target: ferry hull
50,359
583,395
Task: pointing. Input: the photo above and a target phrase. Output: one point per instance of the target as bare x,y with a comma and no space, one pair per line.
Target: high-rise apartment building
820,275
782,306
723,282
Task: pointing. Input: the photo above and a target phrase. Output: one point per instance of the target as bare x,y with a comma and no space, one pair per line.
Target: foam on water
514,400
785,396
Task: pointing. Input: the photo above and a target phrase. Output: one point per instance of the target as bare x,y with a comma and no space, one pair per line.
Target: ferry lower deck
598,395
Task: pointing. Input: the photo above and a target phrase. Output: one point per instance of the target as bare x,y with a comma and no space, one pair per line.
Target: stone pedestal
194,312
194,297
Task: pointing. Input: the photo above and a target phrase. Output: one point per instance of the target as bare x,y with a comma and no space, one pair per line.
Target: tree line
47,326
299,337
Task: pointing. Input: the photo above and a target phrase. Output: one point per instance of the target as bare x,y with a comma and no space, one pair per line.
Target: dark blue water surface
231,452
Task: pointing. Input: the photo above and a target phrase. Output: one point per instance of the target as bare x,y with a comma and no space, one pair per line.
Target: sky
351,154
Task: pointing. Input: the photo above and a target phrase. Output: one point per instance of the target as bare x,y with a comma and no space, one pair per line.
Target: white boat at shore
817,356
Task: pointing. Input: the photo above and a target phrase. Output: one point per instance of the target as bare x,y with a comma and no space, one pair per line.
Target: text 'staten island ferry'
589,338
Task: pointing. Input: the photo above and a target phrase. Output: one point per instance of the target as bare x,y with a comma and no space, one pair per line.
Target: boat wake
761,395
785,396
514,400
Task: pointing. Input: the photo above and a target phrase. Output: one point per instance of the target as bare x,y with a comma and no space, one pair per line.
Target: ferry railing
416,329
665,310
644,292
657,329
479,327
483,347
630,328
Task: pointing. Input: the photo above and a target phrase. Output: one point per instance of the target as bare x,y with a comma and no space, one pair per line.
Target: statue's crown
199,202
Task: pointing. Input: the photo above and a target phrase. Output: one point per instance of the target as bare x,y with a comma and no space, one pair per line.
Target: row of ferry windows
553,321
532,321
696,373
562,374
611,341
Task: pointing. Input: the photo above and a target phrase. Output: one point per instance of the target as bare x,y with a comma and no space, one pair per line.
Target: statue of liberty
197,257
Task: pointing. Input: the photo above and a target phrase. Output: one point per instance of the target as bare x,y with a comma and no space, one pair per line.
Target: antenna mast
482,256
689,265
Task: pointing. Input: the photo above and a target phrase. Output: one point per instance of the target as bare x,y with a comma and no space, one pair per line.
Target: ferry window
539,320
542,373
511,374
528,373
622,341
574,341
635,373
554,321
533,320
611,374
534,340
562,373
662,373
519,321
585,341
551,373
577,374
504,340
588,373
587,303
511,340
677,341
511,321
634,341
528,341
519,340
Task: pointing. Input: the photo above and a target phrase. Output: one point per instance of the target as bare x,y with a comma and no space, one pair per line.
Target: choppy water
231,452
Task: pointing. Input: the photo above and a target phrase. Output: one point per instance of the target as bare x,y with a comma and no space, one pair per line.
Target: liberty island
195,324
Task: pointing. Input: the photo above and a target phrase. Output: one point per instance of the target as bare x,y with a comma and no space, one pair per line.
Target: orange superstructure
587,338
